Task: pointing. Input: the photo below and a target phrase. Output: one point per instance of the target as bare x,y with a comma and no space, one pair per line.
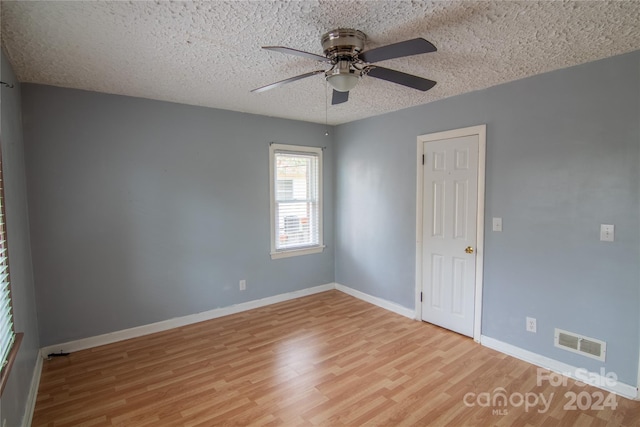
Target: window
296,200
9,340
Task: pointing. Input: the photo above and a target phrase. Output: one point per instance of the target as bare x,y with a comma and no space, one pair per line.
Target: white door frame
481,132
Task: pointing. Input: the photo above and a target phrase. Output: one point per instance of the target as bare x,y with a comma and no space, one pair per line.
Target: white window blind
7,335
296,200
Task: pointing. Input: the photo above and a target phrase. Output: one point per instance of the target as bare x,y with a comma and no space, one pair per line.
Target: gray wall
143,211
16,392
562,158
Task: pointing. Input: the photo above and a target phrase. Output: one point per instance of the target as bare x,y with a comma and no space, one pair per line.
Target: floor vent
580,344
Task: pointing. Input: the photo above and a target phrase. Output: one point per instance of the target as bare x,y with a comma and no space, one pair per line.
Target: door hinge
423,159
420,296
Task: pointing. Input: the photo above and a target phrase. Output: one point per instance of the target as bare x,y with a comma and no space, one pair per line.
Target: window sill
297,252
10,359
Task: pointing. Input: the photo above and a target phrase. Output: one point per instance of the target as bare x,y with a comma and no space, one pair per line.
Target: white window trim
301,149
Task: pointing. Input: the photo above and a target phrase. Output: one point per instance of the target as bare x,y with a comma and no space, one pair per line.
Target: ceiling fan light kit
343,49
342,76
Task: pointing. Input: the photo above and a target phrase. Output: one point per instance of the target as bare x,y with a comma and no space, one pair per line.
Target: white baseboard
591,378
594,379
85,343
33,393
125,334
383,303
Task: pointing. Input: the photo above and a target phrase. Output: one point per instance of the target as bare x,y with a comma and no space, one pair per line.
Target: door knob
469,250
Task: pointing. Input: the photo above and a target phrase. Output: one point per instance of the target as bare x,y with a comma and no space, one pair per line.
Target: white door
449,226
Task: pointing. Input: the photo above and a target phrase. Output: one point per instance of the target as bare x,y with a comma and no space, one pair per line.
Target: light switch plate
607,232
497,224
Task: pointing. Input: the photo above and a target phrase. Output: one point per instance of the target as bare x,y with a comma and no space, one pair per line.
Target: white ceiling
208,53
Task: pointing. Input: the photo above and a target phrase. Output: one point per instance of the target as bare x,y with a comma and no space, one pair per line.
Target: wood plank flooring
324,360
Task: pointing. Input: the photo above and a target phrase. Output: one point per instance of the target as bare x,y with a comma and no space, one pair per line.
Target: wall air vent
580,344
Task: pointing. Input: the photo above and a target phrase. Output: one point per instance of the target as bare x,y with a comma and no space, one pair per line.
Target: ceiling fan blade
398,50
401,78
296,52
339,97
285,81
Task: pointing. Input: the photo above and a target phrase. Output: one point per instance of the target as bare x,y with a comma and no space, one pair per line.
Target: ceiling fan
343,51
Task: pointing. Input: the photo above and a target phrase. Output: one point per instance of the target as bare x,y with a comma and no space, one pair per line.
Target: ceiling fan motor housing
343,43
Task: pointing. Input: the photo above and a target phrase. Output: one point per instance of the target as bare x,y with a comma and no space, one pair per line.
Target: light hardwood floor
327,359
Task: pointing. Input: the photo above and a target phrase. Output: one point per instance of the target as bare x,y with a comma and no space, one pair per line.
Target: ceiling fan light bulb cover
343,82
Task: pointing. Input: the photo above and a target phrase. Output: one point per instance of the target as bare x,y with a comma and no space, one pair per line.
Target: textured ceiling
208,53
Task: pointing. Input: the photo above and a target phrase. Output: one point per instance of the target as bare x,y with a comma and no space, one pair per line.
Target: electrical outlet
531,324
243,285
